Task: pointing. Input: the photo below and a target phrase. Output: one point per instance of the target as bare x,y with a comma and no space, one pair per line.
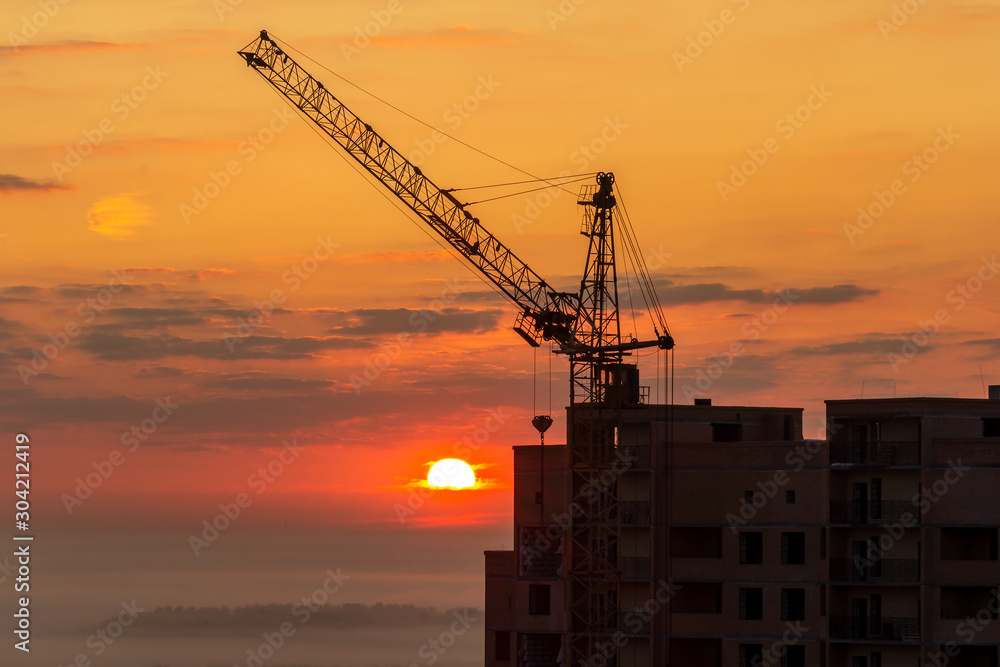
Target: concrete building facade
741,543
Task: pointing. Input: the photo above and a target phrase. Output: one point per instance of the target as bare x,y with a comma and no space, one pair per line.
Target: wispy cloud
14,183
66,47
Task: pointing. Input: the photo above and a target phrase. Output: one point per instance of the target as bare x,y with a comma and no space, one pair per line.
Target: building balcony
884,571
876,629
876,454
873,513
635,512
636,457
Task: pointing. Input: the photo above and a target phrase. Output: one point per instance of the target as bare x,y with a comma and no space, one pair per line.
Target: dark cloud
250,416
989,342
36,411
255,619
150,318
863,346
672,294
159,372
835,294
11,182
21,290
92,290
378,321
118,347
290,385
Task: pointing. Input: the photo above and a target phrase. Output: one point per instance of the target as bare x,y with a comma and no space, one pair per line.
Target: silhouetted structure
742,544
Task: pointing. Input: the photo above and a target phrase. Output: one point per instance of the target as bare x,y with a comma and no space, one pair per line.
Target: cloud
118,347
159,372
866,346
88,290
116,216
290,385
258,618
116,409
991,342
833,295
207,273
68,46
150,318
672,294
148,269
14,183
377,321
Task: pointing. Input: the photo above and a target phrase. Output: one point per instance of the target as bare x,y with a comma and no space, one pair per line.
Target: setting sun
451,474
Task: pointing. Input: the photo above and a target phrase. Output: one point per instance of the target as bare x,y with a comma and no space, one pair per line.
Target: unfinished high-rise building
734,541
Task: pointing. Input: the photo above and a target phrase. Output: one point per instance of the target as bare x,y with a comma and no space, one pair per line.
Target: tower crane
583,326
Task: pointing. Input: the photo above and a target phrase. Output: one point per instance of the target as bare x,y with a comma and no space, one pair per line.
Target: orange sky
744,136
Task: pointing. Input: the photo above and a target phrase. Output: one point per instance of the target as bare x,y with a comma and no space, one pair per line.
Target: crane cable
408,115
638,263
523,192
533,180
369,178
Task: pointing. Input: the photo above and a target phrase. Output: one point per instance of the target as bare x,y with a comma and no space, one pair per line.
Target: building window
877,659
991,427
795,656
793,548
727,432
786,427
538,599
751,604
501,646
793,604
751,548
790,497
859,661
751,655
875,498
748,496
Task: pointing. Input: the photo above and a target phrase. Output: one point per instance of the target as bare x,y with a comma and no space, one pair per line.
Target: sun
451,474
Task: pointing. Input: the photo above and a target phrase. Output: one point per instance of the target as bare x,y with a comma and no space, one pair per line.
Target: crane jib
438,208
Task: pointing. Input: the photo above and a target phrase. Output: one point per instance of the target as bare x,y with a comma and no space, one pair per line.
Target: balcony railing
885,453
634,568
885,570
635,512
873,512
884,628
